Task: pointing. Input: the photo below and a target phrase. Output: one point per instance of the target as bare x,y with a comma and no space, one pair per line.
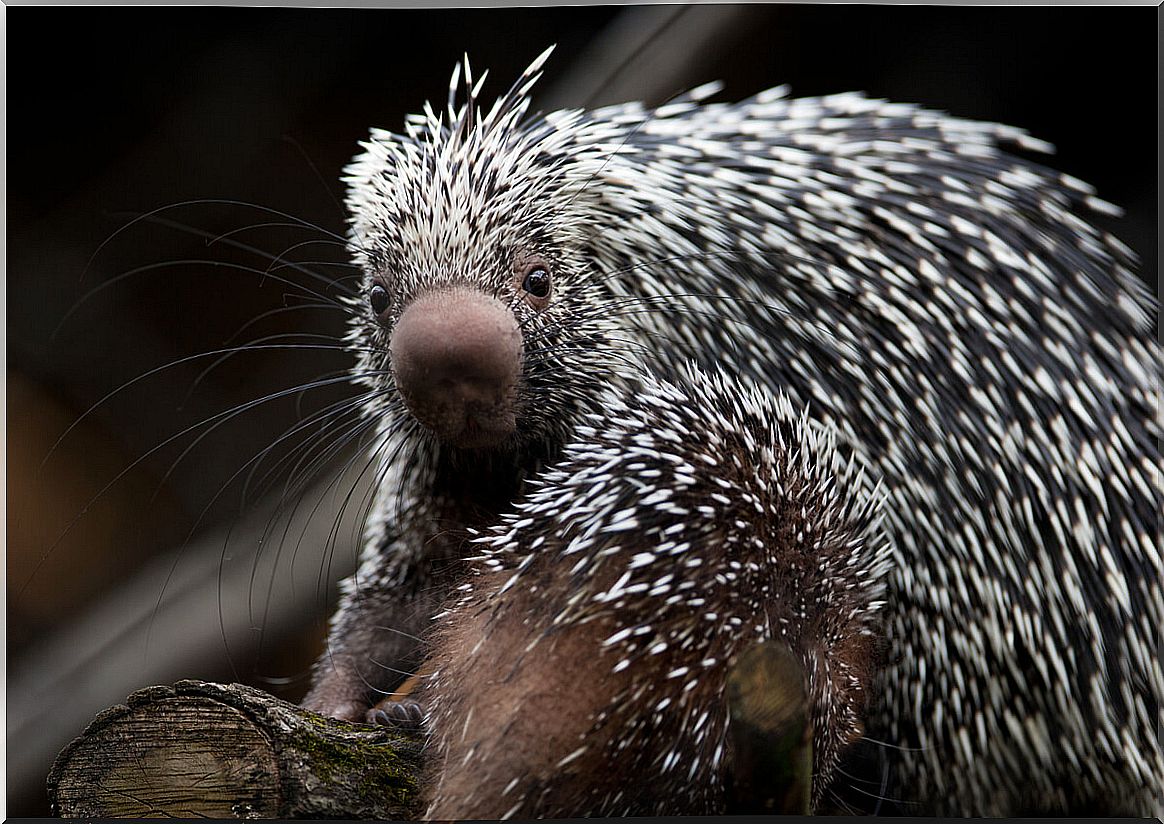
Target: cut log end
229,751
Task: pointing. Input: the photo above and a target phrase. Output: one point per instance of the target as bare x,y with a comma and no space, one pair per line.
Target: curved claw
403,714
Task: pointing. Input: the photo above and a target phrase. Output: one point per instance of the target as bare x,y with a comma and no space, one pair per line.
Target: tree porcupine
683,524
980,346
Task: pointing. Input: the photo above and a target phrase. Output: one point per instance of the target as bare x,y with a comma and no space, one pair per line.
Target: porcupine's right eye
378,297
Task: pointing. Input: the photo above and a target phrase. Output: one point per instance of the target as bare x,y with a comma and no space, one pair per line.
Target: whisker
347,438
298,266
214,421
344,408
255,226
246,348
169,264
383,464
209,430
280,262
891,746
328,416
179,362
324,183
204,202
222,558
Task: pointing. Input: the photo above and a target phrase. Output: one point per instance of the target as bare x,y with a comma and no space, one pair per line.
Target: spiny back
986,349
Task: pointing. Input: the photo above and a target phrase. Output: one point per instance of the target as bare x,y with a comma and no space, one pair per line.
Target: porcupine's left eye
537,282
378,297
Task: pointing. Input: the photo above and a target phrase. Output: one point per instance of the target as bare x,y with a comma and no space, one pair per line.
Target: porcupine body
984,349
684,524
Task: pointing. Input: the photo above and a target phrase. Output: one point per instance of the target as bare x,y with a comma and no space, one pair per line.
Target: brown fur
524,679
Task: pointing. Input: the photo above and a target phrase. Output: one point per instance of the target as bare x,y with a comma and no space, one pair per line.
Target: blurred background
141,548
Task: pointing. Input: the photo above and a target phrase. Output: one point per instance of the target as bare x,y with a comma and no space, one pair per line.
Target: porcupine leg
387,606
371,647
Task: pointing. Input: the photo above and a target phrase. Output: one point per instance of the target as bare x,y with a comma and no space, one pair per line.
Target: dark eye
537,282
378,297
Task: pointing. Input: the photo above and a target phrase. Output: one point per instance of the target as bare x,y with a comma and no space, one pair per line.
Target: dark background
112,113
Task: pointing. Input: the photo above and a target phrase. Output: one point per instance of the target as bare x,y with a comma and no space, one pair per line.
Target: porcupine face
474,303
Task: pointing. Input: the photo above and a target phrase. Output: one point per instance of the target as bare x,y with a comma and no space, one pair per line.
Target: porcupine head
480,340
583,671
478,305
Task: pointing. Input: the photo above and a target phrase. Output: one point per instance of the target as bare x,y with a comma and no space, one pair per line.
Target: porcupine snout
456,355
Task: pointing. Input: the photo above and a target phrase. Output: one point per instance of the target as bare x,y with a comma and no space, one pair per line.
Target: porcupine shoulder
983,347
583,671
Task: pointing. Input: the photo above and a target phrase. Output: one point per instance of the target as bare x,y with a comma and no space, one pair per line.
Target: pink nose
456,355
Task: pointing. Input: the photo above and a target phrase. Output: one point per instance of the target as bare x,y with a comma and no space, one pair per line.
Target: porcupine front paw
403,714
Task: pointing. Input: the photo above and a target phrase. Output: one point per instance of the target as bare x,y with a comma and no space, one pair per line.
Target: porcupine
684,524
979,344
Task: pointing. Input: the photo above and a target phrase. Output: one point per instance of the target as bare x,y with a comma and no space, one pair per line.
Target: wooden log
229,751
199,749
